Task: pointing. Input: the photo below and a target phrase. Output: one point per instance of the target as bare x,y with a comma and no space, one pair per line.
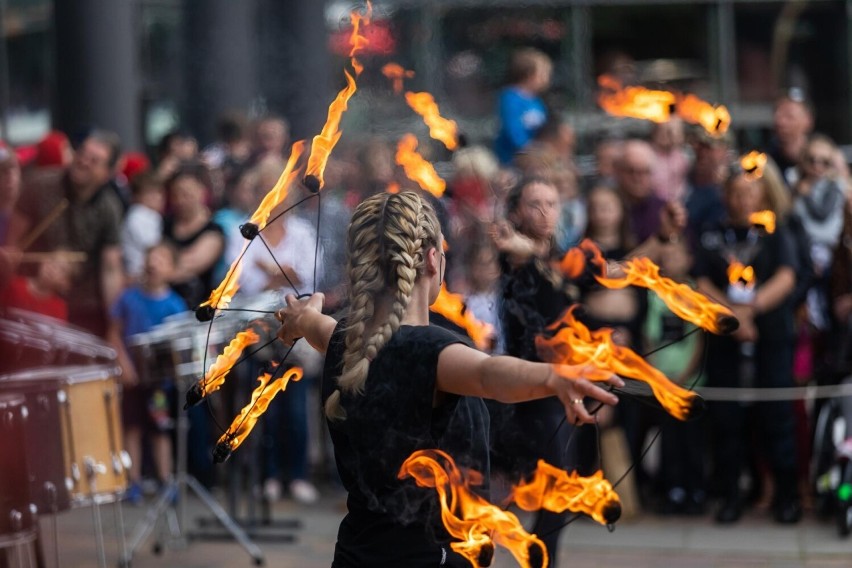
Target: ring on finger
577,401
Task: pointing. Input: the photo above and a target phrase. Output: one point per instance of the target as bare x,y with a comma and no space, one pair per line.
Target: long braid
387,240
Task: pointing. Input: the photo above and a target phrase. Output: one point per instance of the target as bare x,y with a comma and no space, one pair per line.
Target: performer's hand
294,316
572,392
509,241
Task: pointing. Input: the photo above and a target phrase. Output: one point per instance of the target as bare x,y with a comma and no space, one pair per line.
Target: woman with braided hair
394,384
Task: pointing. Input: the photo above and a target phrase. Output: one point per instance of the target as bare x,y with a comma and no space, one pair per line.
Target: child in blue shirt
146,408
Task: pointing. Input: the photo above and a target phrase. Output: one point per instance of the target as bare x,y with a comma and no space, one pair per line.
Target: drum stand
176,517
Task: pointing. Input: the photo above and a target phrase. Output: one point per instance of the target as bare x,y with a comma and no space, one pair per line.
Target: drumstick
44,224
67,255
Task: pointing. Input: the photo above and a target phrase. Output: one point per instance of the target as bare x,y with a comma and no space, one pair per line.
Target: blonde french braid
388,237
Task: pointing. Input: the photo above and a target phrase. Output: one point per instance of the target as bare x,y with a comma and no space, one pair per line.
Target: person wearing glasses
633,176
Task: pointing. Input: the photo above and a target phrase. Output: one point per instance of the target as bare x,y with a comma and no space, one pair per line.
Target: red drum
75,445
16,513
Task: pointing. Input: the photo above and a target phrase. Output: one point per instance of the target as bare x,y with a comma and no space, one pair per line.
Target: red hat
134,164
51,150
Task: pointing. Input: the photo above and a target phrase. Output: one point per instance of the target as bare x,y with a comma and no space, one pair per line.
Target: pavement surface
644,541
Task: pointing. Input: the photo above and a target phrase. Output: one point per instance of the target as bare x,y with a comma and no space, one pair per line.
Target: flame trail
218,371
753,164
397,74
715,120
243,424
685,302
556,490
738,274
576,259
574,344
440,128
416,168
324,142
452,307
764,218
634,102
467,516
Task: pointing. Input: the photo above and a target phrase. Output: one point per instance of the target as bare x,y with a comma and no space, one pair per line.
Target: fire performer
760,294
393,384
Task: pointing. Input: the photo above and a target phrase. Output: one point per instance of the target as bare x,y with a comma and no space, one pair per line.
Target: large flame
467,516
279,191
397,74
753,164
685,302
452,307
715,120
764,218
416,168
634,101
243,424
575,344
440,128
324,142
556,490
576,259
218,371
658,106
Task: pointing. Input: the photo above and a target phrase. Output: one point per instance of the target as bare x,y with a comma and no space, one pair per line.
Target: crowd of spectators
155,237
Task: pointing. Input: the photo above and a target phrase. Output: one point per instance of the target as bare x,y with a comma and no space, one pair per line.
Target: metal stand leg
119,529
176,515
99,535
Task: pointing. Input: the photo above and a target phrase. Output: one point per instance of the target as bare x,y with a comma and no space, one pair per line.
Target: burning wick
223,450
311,182
205,313
194,395
249,231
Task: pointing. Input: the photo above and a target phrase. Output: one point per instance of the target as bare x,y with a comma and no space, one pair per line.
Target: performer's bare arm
112,275
305,319
466,371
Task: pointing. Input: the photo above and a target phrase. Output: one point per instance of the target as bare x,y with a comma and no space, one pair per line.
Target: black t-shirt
394,523
197,289
765,253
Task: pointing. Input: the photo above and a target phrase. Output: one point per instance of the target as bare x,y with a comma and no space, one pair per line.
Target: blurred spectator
86,218
232,149
272,136
633,176
840,296
607,153
682,475
10,191
760,352
142,227
704,188
175,148
242,196
609,223
146,408
671,163
483,277
572,214
45,292
793,122
198,239
521,112
133,164
552,147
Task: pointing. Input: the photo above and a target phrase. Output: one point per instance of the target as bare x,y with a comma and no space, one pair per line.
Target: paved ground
648,541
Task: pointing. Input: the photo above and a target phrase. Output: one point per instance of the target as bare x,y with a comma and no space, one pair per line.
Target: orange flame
222,295
685,302
753,164
467,516
659,106
392,187
740,274
715,120
324,142
634,102
215,376
397,74
452,307
243,424
574,344
573,264
556,490
440,128
418,169
765,219
279,191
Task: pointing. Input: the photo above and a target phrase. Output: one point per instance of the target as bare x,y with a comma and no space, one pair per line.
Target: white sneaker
304,492
272,490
